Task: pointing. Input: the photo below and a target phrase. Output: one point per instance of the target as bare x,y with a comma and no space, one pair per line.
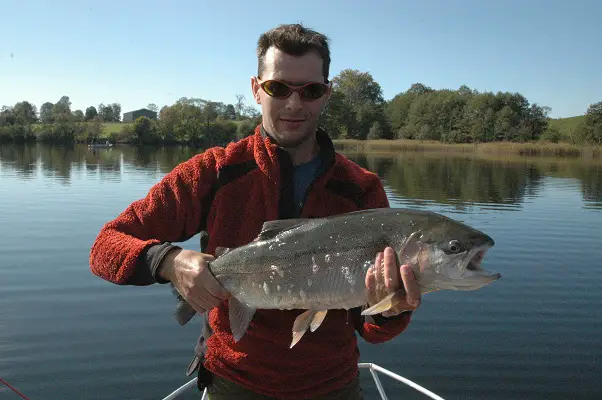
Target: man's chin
287,137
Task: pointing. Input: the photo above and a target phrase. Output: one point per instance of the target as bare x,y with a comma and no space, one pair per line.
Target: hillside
566,125
112,127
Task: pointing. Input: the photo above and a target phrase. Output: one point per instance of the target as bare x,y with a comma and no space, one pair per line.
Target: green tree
46,113
144,131
376,132
25,113
91,113
239,107
359,88
61,110
355,104
590,131
78,115
230,112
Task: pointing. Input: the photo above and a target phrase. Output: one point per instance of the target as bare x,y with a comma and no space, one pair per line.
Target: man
288,168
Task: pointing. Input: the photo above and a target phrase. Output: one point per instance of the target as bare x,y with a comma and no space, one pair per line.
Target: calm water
535,334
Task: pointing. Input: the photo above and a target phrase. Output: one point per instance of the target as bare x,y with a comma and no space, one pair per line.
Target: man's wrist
165,268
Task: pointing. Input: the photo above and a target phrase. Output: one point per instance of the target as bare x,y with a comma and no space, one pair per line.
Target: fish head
447,255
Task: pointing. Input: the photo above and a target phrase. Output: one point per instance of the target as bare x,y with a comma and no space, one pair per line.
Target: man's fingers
391,274
212,286
208,301
195,304
371,279
370,283
411,286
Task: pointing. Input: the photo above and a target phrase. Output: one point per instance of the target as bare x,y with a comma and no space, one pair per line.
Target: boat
95,145
373,368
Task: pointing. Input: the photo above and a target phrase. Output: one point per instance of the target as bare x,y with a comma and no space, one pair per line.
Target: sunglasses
281,90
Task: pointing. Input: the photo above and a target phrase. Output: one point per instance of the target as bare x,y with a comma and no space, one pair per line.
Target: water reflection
463,180
456,180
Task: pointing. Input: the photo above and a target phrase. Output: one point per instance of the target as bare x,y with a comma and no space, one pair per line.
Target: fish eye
454,246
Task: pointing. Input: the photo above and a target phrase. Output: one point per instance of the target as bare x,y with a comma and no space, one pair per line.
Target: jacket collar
268,151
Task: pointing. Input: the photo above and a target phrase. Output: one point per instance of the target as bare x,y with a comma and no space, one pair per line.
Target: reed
493,148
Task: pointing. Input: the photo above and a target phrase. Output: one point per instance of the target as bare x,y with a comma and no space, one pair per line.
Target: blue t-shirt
304,176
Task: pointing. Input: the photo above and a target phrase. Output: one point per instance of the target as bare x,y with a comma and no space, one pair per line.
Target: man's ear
255,89
329,93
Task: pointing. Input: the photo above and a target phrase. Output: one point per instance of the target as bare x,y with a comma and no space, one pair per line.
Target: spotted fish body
320,264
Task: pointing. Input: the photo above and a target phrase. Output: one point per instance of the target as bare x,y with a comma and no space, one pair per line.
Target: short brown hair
296,40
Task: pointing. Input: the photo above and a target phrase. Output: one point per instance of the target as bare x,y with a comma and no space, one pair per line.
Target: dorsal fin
271,229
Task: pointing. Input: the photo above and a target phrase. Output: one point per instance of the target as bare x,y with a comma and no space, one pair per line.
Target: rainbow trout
320,264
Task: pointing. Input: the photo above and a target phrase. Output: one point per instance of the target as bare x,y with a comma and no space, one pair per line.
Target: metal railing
373,368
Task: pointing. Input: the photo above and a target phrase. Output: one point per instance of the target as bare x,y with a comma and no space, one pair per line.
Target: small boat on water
100,145
373,368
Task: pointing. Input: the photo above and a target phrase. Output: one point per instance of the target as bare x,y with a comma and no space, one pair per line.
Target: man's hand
189,272
384,278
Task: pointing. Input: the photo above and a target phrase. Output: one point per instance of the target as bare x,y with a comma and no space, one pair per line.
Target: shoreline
397,146
529,149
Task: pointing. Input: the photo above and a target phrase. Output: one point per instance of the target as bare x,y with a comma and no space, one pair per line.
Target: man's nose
294,101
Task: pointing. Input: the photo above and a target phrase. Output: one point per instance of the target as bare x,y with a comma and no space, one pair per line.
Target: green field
113,127
566,125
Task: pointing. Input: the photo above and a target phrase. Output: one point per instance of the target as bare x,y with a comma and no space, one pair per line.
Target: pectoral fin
240,317
389,302
309,319
318,319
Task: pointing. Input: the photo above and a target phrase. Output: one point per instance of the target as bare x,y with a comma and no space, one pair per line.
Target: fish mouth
471,271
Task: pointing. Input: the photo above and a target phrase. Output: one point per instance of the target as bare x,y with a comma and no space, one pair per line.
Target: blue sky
138,52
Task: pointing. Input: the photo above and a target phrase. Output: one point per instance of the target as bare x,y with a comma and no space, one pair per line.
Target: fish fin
271,229
184,312
302,322
220,251
384,305
318,319
296,337
240,317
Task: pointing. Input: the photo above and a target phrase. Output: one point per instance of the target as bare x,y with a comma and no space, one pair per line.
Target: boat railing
373,368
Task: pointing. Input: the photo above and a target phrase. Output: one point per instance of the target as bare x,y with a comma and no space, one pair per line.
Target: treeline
195,122
191,121
356,110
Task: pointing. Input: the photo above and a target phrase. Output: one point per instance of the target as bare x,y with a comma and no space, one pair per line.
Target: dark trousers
223,389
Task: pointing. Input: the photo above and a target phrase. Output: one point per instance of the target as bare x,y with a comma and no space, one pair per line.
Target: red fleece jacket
229,193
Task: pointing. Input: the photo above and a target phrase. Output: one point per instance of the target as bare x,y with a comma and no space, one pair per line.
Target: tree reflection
457,180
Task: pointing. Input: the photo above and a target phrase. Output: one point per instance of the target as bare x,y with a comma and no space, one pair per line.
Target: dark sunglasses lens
276,89
314,91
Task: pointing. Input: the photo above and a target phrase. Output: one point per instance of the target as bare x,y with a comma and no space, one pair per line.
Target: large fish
320,264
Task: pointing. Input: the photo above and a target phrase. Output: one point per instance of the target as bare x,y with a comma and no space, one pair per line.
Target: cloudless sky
140,52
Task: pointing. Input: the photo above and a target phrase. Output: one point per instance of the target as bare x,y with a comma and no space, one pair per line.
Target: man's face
291,120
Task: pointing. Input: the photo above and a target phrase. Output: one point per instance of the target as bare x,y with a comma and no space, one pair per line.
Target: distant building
143,112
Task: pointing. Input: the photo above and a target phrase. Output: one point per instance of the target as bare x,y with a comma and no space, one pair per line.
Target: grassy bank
495,148
566,126
112,127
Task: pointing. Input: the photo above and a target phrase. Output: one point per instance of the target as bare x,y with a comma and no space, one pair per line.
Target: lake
534,334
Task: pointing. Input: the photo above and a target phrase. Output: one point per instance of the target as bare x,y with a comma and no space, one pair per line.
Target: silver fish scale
316,280
276,273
